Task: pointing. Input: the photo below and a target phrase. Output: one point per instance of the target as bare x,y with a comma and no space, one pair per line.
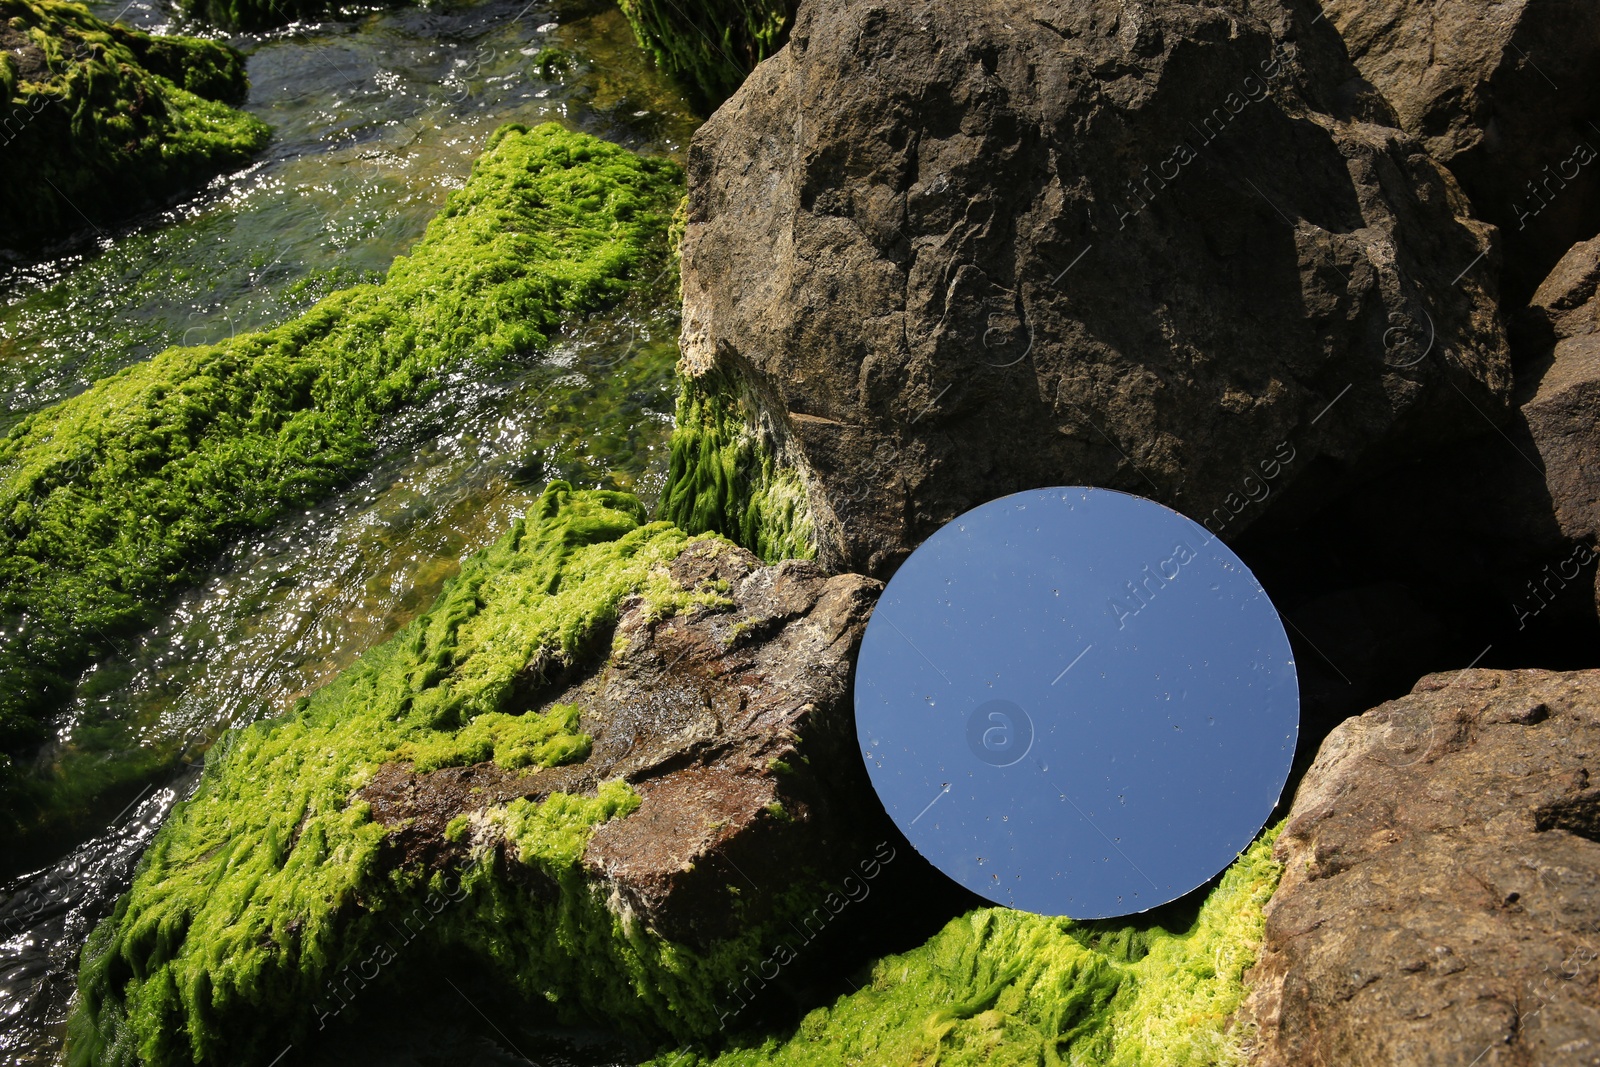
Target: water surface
374,122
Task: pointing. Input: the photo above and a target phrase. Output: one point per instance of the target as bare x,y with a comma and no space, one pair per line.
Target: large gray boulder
1505,93
1441,884
957,250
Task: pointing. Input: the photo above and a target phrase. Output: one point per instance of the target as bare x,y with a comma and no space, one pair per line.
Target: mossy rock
1004,988
115,499
725,478
278,880
102,121
709,46
208,69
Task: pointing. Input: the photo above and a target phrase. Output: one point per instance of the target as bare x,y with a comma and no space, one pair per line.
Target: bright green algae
112,500
709,46
101,121
1006,988
266,886
724,479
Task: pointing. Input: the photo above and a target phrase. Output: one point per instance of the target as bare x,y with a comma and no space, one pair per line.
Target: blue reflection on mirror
1077,702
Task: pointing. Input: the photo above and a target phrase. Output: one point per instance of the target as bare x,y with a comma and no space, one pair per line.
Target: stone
1559,392
959,250
1441,884
703,715
1503,93
1490,540
100,122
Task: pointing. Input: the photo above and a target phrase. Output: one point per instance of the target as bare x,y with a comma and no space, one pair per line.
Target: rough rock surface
1440,902
1559,393
965,249
1505,94
703,715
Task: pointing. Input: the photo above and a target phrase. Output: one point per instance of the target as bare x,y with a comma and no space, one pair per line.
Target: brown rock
1503,92
1559,393
964,249
732,724
1440,903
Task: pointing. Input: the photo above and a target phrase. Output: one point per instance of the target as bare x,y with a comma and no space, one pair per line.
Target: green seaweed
208,69
259,892
116,498
1006,989
709,47
102,121
509,741
724,479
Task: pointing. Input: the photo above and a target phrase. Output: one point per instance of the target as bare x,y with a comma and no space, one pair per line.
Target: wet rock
707,717
954,251
80,549
703,715
1505,95
1441,882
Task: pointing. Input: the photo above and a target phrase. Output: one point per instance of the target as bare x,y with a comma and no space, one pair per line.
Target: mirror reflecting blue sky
1077,702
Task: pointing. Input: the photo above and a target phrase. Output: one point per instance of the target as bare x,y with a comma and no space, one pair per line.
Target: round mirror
1077,702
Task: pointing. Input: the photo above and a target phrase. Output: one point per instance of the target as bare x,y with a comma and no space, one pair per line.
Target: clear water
376,118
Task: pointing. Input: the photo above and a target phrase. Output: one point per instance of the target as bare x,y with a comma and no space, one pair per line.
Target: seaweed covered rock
728,475
565,771
1505,95
709,46
959,250
1011,989
115,498
102,121
1441,882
